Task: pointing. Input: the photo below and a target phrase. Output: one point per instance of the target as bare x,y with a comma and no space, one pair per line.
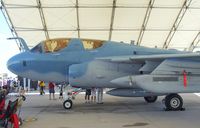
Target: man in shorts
87,95
51,90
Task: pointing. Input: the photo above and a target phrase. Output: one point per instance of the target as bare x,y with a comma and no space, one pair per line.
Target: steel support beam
77,16
145,21
195,42
42,19
21,6
112,19
176,23
8,20
103,29
10,23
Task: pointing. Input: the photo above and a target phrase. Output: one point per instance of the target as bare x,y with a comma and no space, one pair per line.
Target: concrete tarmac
116,112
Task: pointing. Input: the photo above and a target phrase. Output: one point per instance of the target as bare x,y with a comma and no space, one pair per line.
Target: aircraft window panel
92,44
55,45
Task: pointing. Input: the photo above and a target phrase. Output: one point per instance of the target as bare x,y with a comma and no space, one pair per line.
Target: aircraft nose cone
13,64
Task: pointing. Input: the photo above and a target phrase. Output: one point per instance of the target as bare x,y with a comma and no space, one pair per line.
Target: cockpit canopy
55,45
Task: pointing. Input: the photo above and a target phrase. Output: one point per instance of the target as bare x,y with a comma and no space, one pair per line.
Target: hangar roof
153,23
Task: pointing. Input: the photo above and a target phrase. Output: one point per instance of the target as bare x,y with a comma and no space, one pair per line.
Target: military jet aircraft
130,70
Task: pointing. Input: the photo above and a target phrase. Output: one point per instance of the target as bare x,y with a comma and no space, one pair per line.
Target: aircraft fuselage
77,65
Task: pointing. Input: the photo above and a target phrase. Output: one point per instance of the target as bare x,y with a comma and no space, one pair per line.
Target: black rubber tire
150,99
173,102
67,104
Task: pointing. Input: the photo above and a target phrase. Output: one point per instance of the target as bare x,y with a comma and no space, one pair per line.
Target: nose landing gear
67,104
69,95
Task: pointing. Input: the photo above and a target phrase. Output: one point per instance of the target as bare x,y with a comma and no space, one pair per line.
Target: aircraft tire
150,99
67,104
173,102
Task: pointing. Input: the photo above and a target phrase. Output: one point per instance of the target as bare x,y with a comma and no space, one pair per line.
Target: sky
8,48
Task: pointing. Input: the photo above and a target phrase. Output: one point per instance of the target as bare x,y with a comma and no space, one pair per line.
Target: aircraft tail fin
23,45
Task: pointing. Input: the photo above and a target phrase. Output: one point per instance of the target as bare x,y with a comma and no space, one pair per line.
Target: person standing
93,94
87,95
51,90
42,85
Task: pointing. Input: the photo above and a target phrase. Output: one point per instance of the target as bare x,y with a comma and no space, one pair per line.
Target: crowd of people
10,85
90,93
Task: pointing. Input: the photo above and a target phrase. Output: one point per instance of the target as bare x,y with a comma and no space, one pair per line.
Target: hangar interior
171,24
167,24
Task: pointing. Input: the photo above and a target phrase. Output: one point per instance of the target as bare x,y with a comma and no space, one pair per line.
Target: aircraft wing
161,63
155,57
163,73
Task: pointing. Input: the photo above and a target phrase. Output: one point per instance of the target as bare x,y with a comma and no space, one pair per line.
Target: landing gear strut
99,95
69,95
150,99
173,102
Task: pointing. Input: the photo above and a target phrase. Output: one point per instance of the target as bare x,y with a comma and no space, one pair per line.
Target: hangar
169,24
172,24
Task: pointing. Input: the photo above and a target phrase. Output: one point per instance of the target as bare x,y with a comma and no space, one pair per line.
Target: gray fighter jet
130,70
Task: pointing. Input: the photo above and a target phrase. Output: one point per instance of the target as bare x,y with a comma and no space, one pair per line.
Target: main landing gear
173,102
150,99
